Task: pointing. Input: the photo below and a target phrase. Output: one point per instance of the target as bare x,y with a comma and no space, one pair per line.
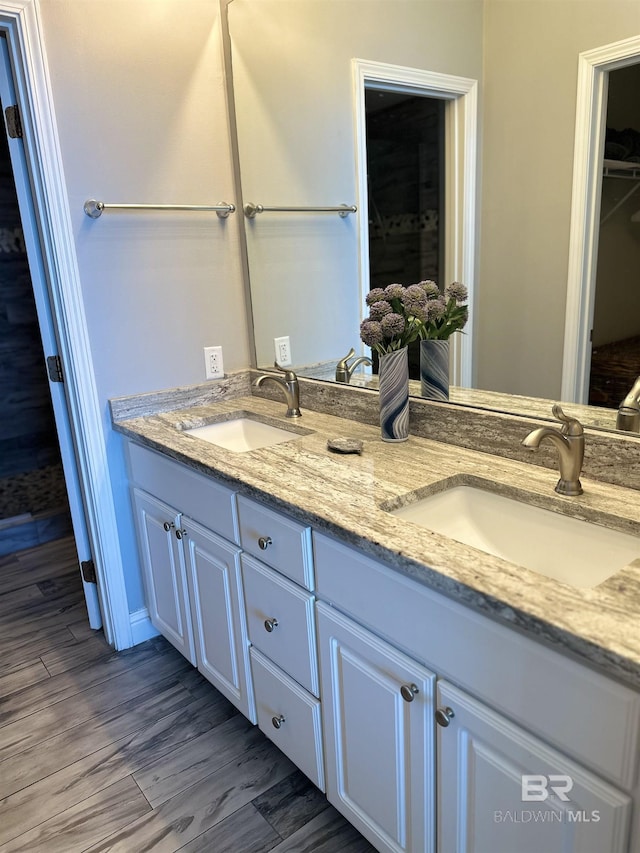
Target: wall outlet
283,351
214,369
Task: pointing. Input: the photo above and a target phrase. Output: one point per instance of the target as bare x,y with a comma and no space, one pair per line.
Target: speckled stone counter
344,495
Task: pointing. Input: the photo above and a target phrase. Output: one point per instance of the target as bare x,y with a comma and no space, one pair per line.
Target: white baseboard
141,627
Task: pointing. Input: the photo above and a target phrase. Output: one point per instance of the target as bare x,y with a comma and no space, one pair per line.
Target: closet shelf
628,171
621,169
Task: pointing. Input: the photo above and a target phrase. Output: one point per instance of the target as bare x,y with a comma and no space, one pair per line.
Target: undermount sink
566,549
242,434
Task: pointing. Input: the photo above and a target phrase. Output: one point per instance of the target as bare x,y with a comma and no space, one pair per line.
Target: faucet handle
290,375
342,364
570,426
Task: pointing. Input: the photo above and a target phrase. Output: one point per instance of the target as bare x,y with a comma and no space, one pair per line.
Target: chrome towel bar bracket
94,208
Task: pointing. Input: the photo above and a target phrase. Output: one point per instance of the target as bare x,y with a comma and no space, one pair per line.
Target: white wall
530,86
295,108
139,100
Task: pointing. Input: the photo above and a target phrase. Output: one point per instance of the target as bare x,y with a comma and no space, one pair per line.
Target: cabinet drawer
296,712
542,689
273,602
196,496
276,540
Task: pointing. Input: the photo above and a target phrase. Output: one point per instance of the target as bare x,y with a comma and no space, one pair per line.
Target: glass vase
394,395
434,369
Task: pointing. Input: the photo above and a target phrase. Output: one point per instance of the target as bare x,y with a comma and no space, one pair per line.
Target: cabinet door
217,610
486,806
379,746
164,574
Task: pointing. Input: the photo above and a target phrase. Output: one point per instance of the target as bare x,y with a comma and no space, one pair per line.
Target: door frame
461,146
20,23
591,118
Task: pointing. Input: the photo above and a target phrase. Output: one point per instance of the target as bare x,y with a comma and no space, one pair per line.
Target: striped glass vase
434,369
394,395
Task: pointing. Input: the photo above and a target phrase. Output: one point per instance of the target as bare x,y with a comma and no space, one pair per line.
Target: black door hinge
88,571
54,368
14,124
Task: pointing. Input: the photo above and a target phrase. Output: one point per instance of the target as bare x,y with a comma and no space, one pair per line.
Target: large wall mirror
295,98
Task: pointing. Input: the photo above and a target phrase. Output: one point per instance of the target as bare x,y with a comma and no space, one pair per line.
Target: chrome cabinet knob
270,624
264,542
168,525
181,534
408,691
277,721
444,716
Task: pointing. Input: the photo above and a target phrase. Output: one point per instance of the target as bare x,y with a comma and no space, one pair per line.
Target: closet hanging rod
94,208
343,210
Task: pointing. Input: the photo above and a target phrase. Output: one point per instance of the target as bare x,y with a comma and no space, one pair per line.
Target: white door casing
461,145
591,114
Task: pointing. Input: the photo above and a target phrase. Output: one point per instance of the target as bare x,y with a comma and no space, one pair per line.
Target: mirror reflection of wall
293,89
615,361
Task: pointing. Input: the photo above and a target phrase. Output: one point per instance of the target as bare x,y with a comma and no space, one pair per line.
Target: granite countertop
343,495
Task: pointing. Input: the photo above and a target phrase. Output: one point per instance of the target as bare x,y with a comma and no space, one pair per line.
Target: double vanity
448,693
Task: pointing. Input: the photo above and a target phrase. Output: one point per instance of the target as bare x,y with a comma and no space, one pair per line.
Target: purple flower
430,288
414,298
421,312
371,332
436,308
379,309
456,291
392,325
374,295
394,291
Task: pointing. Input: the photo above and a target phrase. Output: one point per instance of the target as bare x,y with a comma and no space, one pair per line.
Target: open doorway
34,506
31,282
405,176
457,101
615,358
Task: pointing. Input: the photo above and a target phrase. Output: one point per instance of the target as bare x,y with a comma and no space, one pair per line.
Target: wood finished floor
131,751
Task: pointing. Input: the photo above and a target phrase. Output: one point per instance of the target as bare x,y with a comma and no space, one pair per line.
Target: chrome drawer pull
270,624
168,525
277,721
444,716
408,691
181,534
264,542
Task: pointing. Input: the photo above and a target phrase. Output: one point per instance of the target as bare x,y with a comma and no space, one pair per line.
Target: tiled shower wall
33,499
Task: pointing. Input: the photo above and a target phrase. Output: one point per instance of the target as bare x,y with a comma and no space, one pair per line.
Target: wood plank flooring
131,751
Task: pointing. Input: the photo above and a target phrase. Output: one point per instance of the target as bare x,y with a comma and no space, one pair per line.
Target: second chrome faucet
289,385
569,442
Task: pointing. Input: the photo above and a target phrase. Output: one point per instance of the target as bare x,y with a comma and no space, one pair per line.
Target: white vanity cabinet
191,565
281,623
506,707
217,612
378,707
484,805
165,578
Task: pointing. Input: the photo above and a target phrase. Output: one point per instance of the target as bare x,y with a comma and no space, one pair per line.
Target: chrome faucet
344,370
289,385
629,411
569,441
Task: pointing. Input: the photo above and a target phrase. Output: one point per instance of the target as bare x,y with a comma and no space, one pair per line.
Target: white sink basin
569,550
242,434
